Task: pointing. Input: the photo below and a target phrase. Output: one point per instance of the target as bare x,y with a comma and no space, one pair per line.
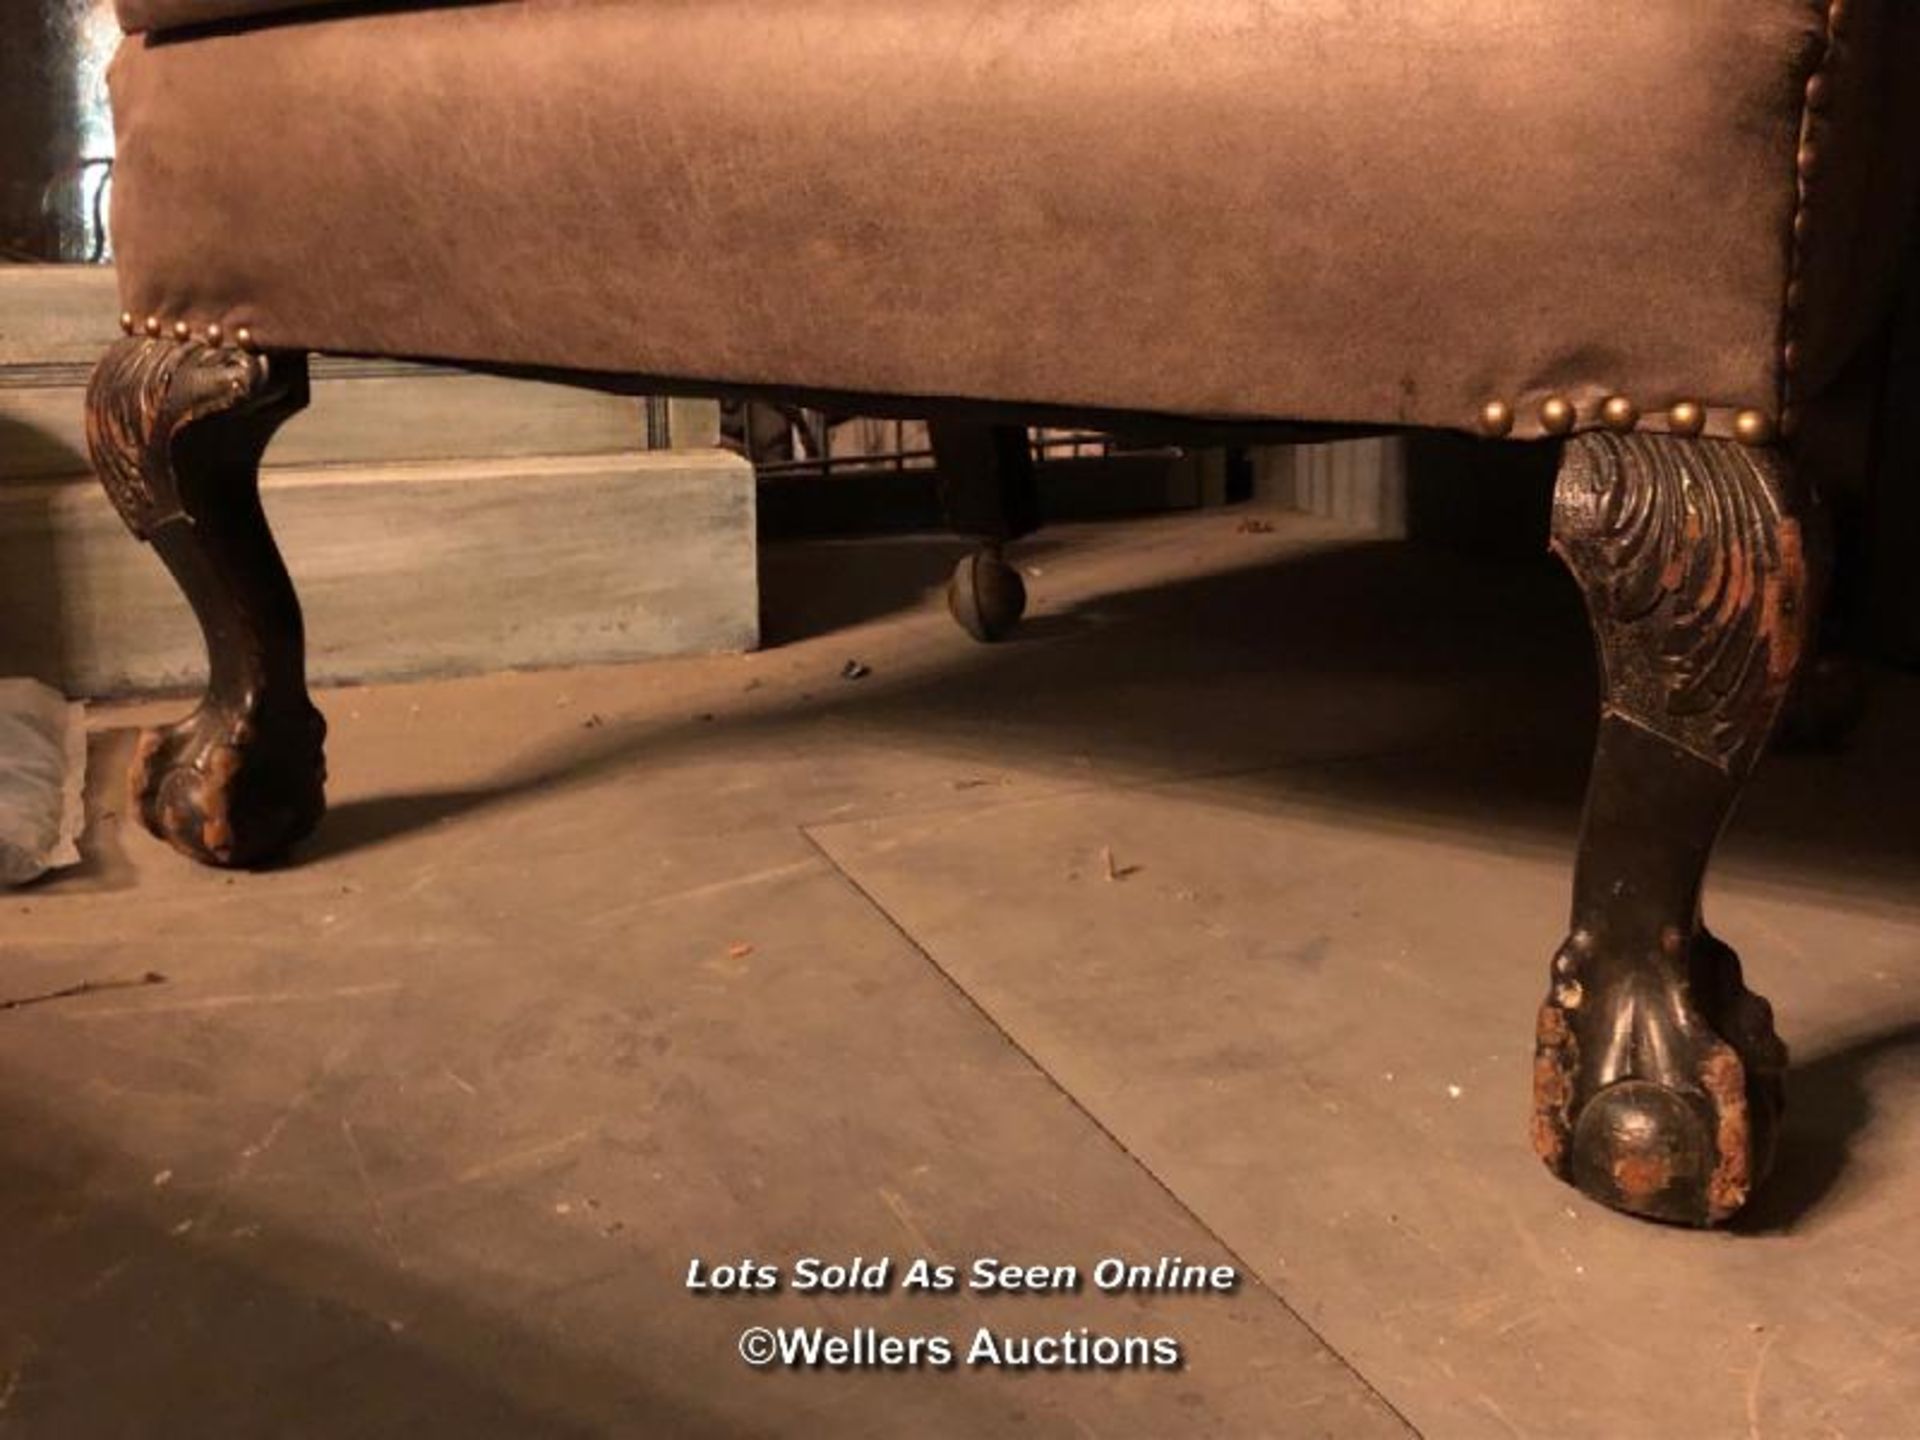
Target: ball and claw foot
232,790
986,595
1659,1101
176,430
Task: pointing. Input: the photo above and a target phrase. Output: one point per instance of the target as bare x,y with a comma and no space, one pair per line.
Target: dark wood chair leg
988,490
1657,1079
177,430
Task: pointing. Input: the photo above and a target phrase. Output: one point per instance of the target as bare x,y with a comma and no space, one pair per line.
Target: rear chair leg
177,429
1657,1080
988,490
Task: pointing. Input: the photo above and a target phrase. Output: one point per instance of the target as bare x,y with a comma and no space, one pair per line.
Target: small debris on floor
855,670
1115,871
593,722
972,783
162,1179
1251,526
1454,1092
85,987
562,1208
740,950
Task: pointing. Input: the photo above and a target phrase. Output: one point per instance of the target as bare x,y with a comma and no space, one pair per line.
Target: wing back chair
1656,234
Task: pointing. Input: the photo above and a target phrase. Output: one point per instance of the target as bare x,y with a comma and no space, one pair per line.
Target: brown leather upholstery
1386,211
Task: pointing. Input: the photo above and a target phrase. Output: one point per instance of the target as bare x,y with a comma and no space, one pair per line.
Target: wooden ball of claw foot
986,595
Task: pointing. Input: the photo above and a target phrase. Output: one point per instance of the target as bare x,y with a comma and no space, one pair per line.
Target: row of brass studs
154,328
1558,417
1819,94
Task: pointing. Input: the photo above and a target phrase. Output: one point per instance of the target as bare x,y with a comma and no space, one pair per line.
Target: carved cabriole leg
989,492
1657,1074
177,431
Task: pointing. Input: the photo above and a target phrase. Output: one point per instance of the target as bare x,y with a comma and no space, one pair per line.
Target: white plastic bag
43,772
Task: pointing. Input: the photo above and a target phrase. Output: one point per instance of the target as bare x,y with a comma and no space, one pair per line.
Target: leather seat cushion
1376,213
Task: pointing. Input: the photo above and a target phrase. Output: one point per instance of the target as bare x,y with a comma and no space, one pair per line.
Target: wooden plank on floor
408,570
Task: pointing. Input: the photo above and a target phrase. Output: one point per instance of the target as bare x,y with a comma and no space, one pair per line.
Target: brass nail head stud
1496,419
1817,91
1621,414
1557,415
1753,427
182,330
1687,419
243,337
215,334
152,326
127,322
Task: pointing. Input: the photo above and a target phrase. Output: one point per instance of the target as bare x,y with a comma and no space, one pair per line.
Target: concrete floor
1208,919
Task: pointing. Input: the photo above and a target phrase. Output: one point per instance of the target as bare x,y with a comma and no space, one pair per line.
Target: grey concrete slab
530,883
438,522
422,1133
449,567
1306,1005
417,1152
